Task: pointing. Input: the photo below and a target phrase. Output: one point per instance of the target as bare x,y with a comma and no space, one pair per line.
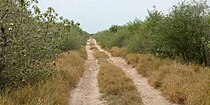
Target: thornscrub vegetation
182,33
181,36
55,90
29,39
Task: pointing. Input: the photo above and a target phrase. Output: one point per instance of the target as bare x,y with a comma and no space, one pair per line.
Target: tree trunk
204,55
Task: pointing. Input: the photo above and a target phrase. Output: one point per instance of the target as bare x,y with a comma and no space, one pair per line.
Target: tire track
87,90
149,95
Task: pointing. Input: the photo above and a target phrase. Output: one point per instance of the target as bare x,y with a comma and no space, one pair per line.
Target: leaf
22,3
203,39
36,1
37,11
3,30
208,45
61,18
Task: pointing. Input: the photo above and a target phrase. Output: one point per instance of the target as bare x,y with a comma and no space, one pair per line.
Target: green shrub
29,39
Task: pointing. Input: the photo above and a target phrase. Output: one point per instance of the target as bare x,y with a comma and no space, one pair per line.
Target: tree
29,39
113,28
186,31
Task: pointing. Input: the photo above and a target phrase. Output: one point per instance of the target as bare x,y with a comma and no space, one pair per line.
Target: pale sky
98,15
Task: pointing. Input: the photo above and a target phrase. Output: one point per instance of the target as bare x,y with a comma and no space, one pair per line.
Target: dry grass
83,53
55,91
93,47
118,52
52,92
132,59
71,63
117,89
186,84
100,55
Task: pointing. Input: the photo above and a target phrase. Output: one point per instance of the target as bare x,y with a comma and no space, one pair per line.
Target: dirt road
149,95
87,91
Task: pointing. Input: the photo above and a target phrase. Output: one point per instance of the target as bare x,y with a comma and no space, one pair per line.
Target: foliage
113,28
29,39
182,33
55,90
188,31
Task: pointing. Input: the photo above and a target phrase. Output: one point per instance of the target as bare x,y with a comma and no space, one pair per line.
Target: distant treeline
183,33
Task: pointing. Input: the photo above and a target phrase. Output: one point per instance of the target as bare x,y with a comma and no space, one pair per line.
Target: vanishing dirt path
87,91
149,95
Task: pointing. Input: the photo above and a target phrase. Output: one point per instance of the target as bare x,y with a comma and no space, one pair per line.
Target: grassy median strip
117,89
100,55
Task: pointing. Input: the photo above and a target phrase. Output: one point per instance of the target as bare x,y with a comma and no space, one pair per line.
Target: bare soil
87,91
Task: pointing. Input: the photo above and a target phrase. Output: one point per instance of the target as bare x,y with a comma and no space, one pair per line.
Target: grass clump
118,52
132,59
100,55
54,91
117,89
185,84
92,47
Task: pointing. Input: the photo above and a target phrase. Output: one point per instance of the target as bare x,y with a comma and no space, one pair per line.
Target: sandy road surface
87,91
149,95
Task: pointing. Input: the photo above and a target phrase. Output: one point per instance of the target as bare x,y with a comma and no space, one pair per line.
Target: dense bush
55,90
29,39
182,33
187,30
